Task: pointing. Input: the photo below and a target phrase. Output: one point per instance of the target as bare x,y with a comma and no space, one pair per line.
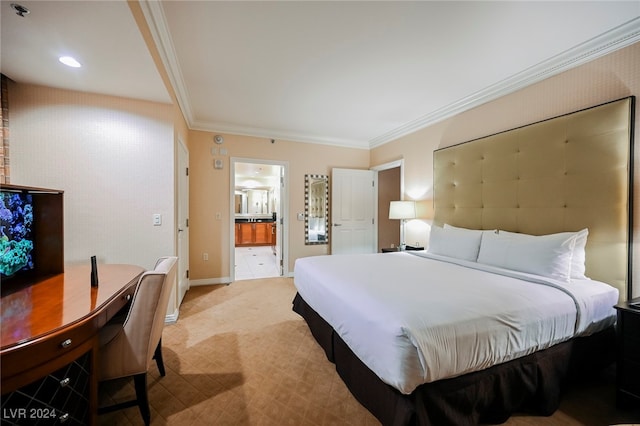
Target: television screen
16,233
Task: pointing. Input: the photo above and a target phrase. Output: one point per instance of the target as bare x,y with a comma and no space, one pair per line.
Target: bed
528,253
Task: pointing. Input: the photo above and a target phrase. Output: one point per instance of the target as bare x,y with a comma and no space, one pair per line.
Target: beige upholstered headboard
563,174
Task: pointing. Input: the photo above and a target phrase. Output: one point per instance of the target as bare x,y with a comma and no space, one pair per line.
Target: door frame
284,208
392,165
387,166
181,165
183,201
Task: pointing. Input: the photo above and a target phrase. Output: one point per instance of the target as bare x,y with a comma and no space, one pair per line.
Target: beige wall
113,157
611,77
210,193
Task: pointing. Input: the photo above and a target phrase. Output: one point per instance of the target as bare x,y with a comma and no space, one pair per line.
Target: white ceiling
353,73
250,174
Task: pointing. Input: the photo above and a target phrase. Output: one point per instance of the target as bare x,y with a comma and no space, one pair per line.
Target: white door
183,222
352,211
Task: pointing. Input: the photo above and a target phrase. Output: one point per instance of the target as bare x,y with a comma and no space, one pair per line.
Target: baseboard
209,281
222,280
172,318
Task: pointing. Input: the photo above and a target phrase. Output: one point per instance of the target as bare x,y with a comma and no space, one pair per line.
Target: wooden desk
52,325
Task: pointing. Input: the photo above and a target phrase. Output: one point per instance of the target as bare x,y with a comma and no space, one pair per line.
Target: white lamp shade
402,210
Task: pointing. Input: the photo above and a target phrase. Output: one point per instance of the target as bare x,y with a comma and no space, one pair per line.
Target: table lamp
402,210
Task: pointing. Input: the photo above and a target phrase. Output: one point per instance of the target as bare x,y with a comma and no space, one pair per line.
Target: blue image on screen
16,233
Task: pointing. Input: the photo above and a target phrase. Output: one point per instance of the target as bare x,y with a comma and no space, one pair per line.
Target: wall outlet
157,219
300,216
205,256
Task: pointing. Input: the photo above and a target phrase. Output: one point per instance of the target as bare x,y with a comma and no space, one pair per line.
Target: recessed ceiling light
69,61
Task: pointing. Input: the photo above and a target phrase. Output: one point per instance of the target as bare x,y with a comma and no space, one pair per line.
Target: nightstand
628,353
407,248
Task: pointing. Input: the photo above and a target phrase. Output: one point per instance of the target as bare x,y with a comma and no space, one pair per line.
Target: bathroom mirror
316,209
252,201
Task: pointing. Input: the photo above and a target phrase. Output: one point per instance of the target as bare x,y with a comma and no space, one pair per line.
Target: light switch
157,219
300,216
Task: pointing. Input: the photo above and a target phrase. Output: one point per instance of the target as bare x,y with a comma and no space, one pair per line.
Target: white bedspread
414,318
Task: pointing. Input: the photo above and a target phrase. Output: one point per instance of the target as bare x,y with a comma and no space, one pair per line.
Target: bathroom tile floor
255,262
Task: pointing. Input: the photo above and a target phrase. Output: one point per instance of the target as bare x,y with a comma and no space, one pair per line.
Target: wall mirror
252,201
316,209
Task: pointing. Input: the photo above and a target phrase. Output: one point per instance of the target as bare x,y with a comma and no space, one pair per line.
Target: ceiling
250,174
268,174
348,73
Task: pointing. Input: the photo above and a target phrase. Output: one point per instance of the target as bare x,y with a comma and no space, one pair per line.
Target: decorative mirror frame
310,210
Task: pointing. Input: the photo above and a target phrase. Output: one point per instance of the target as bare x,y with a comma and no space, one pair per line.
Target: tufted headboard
563,174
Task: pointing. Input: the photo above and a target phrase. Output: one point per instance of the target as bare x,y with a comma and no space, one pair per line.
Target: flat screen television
31,235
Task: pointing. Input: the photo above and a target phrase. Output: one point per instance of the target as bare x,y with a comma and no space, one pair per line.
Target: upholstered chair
129,342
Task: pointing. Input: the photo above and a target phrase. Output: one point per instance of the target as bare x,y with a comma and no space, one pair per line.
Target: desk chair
128,343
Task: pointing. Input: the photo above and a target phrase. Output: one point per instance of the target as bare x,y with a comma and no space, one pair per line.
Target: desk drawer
120,302
45,349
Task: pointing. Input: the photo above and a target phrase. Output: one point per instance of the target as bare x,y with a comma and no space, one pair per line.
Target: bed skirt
532,384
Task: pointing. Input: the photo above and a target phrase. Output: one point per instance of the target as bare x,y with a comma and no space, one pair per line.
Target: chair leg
140,382
157,355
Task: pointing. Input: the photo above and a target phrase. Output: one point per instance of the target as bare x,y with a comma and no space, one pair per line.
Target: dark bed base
530,384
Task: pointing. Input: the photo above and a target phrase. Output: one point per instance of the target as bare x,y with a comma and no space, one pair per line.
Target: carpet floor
238,355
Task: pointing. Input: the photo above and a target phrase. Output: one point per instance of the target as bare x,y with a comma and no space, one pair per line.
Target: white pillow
578,255
546,255
459,243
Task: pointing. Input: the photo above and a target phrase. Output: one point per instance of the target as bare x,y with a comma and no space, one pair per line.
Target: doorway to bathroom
259,215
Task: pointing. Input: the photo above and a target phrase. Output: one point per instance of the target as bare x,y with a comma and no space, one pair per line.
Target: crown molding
157,23
156,20
278,135
617,38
